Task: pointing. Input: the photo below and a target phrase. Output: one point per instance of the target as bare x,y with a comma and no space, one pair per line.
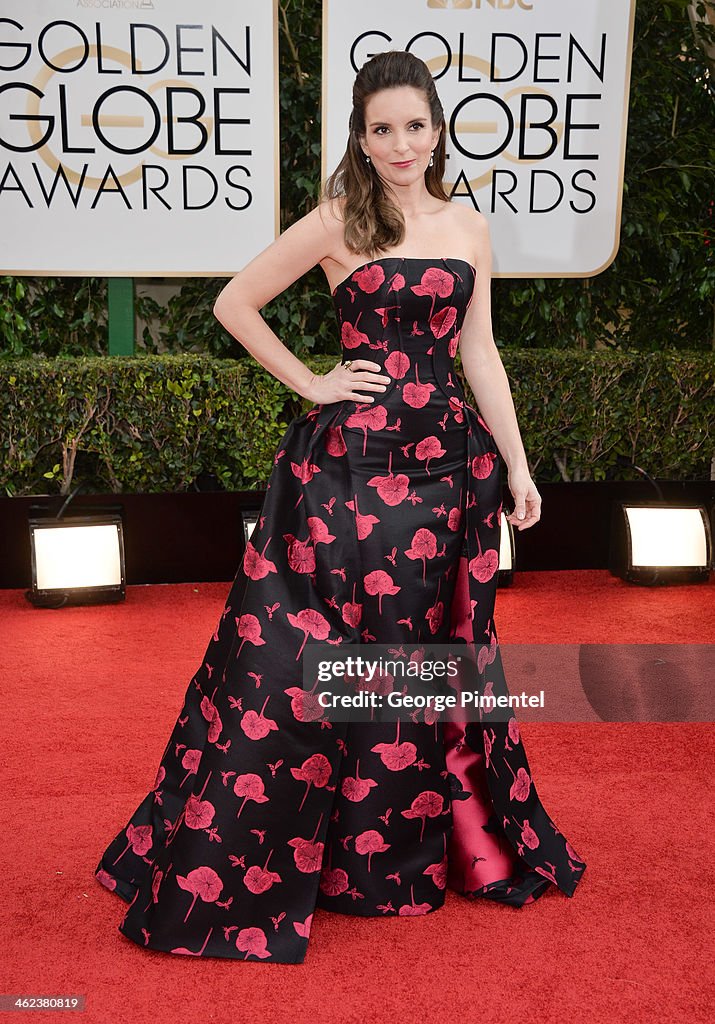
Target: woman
380,525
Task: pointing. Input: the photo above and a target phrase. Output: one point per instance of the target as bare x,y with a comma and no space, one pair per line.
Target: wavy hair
373,222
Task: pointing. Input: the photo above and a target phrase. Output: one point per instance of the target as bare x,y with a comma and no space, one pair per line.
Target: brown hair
373,222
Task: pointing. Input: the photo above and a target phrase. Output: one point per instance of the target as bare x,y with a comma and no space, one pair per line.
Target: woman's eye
383,128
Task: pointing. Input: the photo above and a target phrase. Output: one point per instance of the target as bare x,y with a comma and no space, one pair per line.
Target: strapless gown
380,524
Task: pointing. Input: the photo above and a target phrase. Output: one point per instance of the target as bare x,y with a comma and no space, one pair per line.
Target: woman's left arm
487,378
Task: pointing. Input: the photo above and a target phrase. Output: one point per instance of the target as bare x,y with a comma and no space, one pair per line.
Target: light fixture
507,553
249,518
658,542
76,559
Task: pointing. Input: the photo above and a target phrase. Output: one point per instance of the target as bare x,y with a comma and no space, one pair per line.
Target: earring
431,159
367,159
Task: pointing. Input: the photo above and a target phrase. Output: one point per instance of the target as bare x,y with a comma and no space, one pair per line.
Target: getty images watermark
493,682
422,682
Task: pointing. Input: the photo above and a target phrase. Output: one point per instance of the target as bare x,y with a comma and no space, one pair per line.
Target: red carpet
91,696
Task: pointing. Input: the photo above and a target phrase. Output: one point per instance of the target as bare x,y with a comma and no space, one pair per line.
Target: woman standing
380,525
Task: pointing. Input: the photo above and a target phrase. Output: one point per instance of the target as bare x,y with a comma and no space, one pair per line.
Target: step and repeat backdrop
535,96
140,138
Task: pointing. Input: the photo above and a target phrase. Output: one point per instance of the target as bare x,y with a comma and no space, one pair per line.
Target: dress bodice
406,313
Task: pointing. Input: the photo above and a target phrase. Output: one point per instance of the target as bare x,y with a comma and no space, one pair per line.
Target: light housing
77,559
660,542
507,553
249,518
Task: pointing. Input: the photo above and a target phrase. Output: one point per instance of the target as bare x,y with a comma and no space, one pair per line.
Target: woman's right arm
294,253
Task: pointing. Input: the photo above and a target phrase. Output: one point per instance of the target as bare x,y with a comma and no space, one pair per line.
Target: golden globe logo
465,5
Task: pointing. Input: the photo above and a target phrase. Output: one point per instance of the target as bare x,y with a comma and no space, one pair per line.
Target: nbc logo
465,5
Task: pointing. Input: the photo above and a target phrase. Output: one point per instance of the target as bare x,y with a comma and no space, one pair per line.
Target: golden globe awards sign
535,94
137,137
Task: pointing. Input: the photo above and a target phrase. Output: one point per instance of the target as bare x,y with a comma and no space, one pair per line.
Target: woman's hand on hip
354,383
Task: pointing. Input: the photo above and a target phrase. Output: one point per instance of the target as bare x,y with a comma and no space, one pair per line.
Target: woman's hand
351,383
527,499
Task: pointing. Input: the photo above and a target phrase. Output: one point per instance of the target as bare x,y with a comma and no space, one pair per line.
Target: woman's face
399,137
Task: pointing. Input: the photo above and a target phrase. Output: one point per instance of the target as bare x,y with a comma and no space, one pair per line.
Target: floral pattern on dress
380,524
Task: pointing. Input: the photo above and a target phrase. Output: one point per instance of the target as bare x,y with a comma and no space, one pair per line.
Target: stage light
77,559
507,553
249,518
658,542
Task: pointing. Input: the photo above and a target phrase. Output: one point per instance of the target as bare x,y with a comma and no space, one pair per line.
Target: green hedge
153,424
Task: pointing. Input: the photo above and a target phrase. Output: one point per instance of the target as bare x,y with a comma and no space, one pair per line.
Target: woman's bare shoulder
331,209
479,224
472,226
338,259
468,217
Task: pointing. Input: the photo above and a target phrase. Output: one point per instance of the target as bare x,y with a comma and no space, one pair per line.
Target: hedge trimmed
157,423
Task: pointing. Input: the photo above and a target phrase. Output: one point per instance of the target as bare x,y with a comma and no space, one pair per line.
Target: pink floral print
380,525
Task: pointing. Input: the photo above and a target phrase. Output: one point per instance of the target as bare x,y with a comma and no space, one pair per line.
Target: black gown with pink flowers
380,524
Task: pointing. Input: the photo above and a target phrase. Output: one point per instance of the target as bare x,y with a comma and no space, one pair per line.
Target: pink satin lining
476,857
